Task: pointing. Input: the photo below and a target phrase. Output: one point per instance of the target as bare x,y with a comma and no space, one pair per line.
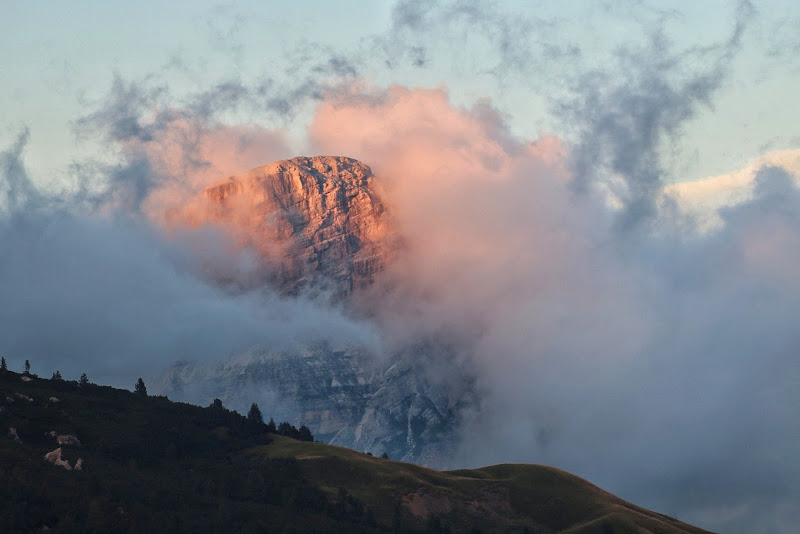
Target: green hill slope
152,465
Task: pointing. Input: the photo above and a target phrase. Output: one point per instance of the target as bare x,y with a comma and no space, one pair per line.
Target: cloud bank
643,361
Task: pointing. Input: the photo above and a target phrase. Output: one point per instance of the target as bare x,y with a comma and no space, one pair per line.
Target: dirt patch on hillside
424,503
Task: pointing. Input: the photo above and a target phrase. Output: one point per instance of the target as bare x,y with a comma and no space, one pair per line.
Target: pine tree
304,434
83,380
27,367
140,388
3,367
271,428
254,415
57,376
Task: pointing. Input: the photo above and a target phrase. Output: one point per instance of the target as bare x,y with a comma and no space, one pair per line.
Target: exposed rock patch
54,457
68,439
12,433
425,504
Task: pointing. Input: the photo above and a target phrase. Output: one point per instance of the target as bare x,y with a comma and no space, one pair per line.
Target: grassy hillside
152,465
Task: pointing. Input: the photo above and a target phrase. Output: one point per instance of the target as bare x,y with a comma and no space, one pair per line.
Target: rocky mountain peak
317,223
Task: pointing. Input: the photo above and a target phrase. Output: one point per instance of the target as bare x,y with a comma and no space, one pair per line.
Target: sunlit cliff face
315,224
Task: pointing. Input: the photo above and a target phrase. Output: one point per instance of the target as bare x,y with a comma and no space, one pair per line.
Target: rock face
68,439
54,457
317,223
341,394
319,227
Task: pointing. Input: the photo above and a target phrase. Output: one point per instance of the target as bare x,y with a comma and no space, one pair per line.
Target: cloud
94,281
599,334
517,41
658,364
625,115
16,187
701,200
166,153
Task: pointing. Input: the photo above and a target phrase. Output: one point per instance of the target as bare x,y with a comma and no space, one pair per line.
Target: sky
599,199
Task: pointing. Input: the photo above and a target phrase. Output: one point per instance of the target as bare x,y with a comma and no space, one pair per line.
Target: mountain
151,465
320,227
341,393
316,223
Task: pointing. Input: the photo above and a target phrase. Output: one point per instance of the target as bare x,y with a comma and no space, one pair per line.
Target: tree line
254,417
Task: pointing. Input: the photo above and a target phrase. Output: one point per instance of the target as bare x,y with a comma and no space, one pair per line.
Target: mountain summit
317,223
320,228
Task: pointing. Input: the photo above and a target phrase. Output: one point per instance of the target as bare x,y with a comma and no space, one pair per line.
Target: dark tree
385,456
83,379
304,434
285,429
254,415
3,366
140,388
216,404
271,428
57,376
27,367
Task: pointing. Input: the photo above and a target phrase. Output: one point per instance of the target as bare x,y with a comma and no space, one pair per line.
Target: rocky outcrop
12,433
69,439
317,223
54,457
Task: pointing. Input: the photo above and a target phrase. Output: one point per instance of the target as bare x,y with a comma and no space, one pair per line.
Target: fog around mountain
633,331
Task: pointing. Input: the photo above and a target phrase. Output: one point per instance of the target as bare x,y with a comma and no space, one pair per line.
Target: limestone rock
12,433
68,439
317,223
54,457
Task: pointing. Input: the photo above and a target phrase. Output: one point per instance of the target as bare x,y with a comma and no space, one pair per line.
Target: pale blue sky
59,59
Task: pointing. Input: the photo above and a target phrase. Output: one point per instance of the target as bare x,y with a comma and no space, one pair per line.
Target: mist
610,332
92,284
634,331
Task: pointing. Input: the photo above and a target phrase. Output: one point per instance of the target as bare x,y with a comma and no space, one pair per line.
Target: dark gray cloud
521,41
626,115
17,186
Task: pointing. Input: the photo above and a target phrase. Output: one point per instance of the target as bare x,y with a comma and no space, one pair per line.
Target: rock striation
317,223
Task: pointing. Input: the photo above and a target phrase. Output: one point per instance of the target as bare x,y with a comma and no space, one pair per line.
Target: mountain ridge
150,464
